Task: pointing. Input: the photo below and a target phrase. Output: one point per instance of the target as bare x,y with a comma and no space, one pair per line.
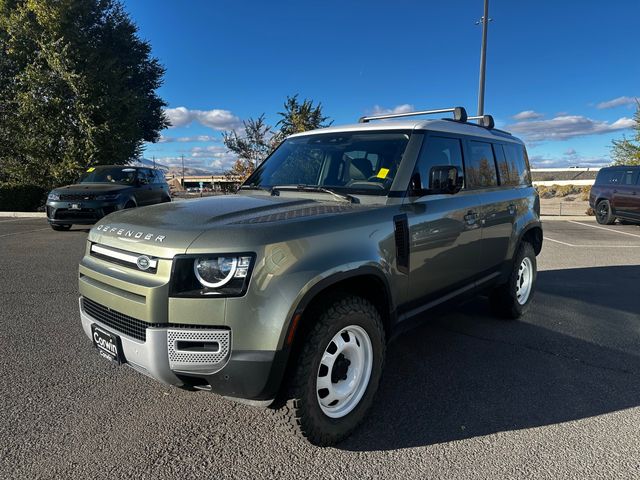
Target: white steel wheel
344,371
524,281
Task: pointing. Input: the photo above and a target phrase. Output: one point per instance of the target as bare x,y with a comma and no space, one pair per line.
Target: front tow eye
340,369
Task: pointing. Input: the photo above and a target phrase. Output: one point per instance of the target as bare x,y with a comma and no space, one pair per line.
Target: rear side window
610,177
480,169
439,152
517,163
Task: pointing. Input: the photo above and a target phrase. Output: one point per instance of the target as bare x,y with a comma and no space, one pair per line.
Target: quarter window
439,152
630,177
516,158
508,172
481,167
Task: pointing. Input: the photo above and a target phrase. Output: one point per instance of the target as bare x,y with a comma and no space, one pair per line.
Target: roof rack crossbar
459,114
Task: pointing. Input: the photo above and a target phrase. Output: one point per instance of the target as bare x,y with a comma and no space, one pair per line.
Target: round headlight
215,272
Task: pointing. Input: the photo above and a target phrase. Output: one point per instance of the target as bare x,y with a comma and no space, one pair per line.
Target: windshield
350,162
123,175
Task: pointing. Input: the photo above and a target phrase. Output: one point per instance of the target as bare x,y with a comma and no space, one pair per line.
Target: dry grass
564,191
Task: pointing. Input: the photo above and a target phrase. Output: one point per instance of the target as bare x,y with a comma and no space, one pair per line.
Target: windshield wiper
345,197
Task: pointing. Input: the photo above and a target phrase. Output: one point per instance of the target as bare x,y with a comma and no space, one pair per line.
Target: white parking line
19,233
590,246
605,228
558,241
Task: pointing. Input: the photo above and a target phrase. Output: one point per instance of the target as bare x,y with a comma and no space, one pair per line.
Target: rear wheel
130,204
512,299
604,215
61,228
337,372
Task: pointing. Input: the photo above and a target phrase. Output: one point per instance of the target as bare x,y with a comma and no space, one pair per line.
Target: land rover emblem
143,262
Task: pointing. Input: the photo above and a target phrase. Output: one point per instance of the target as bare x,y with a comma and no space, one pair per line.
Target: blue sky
562,75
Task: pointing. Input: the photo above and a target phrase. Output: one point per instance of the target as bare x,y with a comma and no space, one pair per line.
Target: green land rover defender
286,293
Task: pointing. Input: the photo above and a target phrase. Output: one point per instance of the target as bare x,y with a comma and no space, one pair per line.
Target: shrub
22,198
585,191
564,190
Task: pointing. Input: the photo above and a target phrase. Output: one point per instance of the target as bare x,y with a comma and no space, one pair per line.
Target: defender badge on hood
123,232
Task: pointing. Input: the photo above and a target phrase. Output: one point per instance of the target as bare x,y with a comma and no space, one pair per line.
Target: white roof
448,126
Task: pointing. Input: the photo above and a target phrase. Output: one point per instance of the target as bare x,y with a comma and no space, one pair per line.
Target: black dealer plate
108,344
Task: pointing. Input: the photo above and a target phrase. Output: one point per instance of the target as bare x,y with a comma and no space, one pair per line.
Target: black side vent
401,229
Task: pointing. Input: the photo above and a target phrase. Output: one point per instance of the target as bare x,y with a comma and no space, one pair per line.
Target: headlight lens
211,275
113,196
53,196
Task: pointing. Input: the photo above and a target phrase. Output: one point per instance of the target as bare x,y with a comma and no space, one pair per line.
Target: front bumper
251,377
88,213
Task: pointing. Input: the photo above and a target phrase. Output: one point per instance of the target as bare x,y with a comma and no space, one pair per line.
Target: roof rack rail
486,121
459,114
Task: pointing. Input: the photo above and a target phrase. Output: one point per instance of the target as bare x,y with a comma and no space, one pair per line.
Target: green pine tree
625,151
77,88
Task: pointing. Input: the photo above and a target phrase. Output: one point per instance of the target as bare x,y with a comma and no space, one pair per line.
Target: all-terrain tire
604,215
504,299
302,413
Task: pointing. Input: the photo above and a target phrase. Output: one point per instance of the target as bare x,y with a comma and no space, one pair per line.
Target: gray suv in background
103,190
286,294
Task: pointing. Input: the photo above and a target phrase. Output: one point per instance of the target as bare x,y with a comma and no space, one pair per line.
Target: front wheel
604,215
337,373
512,299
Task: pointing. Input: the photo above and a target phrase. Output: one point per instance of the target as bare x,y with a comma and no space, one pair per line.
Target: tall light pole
483,57
182,171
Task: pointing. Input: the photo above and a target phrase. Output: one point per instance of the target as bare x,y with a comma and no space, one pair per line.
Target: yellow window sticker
91,169
383,173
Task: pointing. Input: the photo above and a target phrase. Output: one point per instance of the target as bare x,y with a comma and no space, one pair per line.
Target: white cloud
527,115
216,119
404,108
217,155
617,102
570,152
567,126
197,138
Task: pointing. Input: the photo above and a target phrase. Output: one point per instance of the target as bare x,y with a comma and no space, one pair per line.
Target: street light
483,56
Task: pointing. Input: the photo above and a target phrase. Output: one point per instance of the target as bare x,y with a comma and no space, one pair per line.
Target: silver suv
285,294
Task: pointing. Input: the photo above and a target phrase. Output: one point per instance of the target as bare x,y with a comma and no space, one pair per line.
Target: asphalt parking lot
555,395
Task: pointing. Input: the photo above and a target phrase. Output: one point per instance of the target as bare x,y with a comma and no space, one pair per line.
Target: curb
23,214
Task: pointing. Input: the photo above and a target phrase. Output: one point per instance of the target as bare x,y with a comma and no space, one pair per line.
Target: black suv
616,194
102,190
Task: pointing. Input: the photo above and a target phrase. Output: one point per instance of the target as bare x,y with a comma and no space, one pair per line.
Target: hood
85,188
168,229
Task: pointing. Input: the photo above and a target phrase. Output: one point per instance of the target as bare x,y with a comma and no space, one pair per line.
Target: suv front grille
118,321
77,196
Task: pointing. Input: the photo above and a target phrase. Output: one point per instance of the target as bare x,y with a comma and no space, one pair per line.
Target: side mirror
444,179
